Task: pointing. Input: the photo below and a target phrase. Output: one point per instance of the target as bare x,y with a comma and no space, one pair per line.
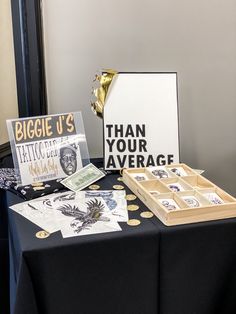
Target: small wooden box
177,194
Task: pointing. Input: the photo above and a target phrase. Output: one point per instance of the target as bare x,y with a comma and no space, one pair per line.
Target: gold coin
42,234
37,184
94,187
131,197
120,179
38,188
118,187
146,214
121,171
132,207
133,222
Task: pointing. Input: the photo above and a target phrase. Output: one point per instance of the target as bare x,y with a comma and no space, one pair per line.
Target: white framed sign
141,121
48,147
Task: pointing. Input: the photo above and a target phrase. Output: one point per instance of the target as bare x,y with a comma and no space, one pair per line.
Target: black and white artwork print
89,216
39,212
81,213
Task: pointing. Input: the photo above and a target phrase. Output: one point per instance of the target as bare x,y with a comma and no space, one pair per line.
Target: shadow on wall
223,175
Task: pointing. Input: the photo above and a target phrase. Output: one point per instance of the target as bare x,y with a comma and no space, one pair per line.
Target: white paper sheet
77,213
38,213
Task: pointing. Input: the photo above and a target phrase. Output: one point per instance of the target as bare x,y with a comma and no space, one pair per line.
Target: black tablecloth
147,269
4,282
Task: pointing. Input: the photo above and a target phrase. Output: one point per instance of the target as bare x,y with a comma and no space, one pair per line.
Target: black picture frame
29,60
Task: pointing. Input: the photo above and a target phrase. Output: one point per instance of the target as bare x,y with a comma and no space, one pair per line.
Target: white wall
8,94
195,38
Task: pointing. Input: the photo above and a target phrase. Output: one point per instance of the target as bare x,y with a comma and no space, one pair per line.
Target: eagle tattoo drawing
84,220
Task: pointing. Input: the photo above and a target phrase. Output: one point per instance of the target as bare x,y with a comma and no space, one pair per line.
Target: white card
159,172
214,198
139,176
191,201
169,203
175,187
179,171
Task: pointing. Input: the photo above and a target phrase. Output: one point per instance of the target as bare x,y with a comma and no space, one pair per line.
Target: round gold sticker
94,187
118,187
132,207
146,214
42,234
38,188
120,179
37,184
133,222
131,197
121,171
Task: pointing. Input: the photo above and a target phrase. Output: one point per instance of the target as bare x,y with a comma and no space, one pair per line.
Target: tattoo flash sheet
77,213
39,212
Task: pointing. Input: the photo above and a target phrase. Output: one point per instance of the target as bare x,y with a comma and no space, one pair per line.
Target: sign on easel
141,121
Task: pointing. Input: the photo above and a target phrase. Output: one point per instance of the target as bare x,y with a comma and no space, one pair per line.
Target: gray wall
195,38
8,93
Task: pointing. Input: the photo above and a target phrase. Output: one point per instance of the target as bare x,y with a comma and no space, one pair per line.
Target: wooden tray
177,194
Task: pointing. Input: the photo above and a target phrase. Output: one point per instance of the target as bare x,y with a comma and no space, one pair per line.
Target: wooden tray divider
194,184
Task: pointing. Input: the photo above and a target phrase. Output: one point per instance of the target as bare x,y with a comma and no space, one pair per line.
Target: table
147,269
5,162
4,282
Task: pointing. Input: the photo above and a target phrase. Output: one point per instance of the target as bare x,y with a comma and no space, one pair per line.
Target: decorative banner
141,121
48,147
